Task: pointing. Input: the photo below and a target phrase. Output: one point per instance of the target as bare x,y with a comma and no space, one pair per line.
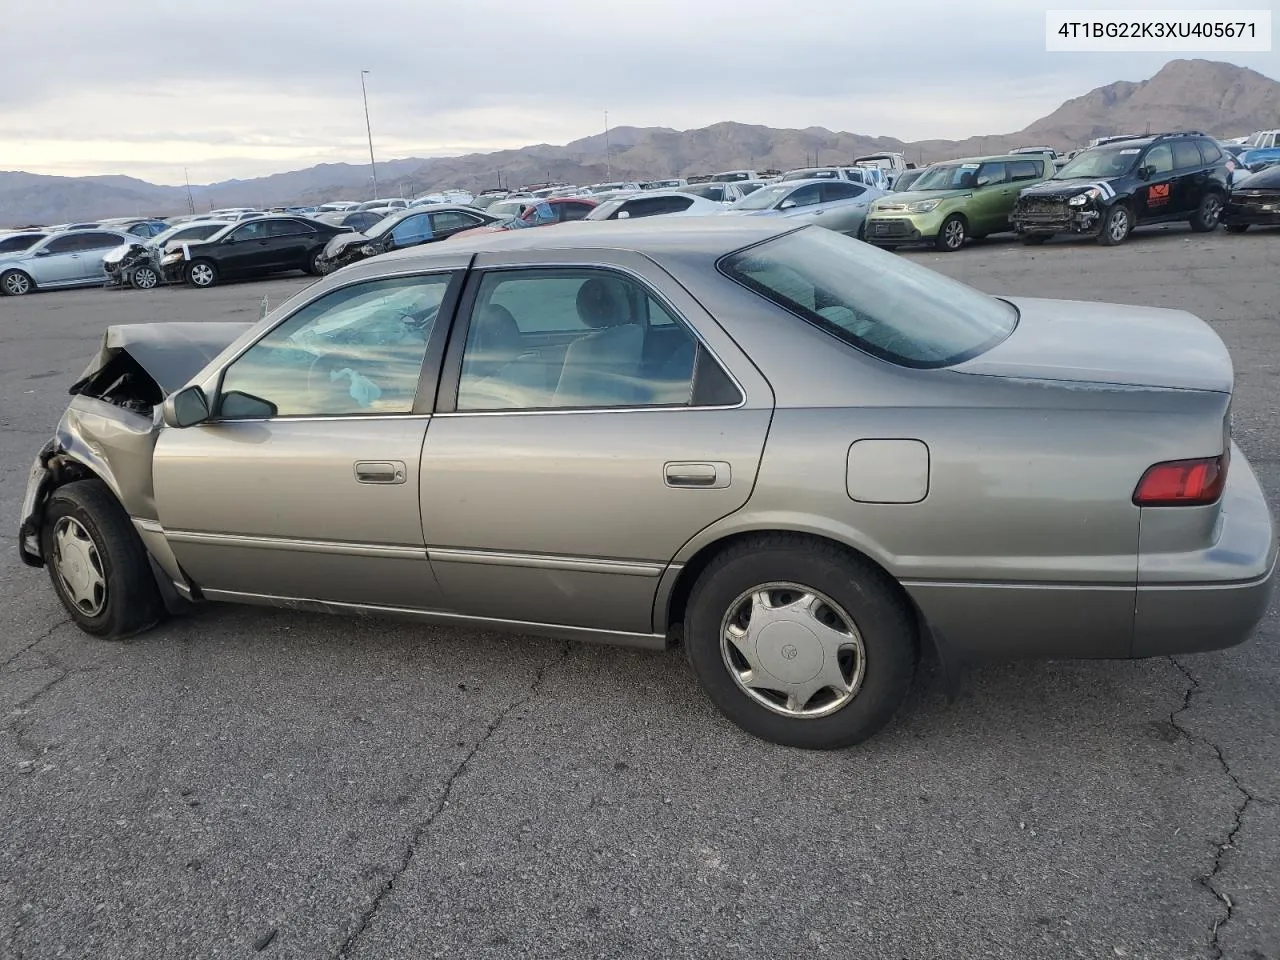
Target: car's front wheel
98,565
202,274
800,642
1116,226
952,234
15,283
318,266
1208,215
145,278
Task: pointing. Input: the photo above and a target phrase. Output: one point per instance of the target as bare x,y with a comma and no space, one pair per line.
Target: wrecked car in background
404,228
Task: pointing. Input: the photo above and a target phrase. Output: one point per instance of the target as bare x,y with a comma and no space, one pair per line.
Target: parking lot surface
246,782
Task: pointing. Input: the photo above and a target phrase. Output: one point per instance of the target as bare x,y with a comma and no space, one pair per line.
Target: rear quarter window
875,301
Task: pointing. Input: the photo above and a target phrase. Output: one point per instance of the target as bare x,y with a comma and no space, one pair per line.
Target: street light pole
608,160
372,166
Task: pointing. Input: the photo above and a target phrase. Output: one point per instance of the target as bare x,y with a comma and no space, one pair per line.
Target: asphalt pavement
245,782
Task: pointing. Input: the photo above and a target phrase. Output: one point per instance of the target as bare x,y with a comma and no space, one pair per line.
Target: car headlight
171,258
1080,199
923,206
368,249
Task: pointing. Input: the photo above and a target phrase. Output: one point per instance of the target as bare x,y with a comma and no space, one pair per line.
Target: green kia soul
953,201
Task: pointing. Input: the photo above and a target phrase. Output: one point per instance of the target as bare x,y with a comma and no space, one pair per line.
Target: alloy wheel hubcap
79,567
1212,210
792,650
955,233
1119,225
16,284
201,275
146,278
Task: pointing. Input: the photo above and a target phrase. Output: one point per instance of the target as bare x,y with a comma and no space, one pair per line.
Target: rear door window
1186,156
841,190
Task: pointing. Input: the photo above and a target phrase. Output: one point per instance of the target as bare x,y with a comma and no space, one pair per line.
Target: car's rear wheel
952,234
800,642
202,274
15,283
98,565
1208,215
1236,227
1116,226
1035,239
145,278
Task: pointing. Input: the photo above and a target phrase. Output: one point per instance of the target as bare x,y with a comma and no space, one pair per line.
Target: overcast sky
242,88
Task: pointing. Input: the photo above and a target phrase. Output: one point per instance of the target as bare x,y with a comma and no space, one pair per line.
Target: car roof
650,236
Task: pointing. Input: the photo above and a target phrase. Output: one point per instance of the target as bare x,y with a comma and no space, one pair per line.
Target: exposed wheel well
692,569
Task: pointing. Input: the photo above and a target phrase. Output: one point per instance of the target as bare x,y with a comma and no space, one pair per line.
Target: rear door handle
380,471
701,474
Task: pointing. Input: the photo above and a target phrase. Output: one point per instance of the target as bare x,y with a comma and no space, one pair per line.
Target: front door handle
380,471
700,474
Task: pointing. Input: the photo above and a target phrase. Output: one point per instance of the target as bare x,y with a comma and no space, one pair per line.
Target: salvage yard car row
1104,192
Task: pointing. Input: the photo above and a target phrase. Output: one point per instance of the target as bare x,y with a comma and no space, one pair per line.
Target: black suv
1130,182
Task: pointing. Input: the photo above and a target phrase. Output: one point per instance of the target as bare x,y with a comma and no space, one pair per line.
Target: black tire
131,601
145,278
952,234
1209,214
317,266
201,274
1035,239
873,602
15,283
1113,231
1236,227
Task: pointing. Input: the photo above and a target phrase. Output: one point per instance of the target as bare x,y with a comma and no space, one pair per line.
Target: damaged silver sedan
801,457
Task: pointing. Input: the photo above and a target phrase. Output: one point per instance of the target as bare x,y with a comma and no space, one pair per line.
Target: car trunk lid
1072,341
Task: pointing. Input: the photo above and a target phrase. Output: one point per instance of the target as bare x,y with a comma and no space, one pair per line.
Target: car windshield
876,301
1112,162
763,199
947,176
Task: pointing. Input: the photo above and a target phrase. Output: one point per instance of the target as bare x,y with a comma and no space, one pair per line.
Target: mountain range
1217,98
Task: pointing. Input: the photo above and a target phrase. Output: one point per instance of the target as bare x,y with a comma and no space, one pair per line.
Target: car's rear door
304,485
560,479
290,244
93,247
1190,177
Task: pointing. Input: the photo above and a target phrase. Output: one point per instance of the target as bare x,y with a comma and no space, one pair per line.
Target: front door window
357,350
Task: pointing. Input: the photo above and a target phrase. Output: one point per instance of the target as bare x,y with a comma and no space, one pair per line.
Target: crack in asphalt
38,640
415,840
1207,880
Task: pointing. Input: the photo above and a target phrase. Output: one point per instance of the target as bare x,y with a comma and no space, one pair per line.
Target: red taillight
1183,483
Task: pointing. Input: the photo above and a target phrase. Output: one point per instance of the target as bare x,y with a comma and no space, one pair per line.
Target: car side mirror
1144,173
786,204
43,252
186,408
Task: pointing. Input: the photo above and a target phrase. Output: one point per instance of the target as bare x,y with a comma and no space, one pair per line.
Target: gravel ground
246,782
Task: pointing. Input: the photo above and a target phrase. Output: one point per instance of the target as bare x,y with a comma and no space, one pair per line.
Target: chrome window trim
662,300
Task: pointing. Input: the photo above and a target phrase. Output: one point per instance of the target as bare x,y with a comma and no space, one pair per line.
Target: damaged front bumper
1047,217
40,480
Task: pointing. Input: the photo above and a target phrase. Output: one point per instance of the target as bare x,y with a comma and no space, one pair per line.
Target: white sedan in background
655,203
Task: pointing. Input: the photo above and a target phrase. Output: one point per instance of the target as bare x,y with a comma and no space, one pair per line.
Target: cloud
247,86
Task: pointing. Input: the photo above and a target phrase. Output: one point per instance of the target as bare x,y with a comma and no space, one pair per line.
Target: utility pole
373,168
190,202
608,163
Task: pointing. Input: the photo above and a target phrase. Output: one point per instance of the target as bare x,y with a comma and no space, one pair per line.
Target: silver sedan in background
838,205
801,457
72,258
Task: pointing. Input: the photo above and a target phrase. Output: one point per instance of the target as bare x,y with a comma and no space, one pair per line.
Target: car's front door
304,484
592,418
993,194
411,231
245,249
57,262
1155,196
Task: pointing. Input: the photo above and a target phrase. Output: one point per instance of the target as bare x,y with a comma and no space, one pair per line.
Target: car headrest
601,303
494,341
